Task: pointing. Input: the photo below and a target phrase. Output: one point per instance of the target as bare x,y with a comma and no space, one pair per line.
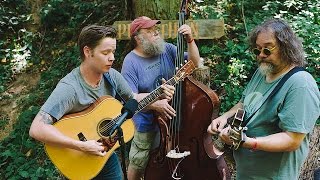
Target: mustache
262,61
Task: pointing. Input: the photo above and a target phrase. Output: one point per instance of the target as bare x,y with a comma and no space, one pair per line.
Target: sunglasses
265,51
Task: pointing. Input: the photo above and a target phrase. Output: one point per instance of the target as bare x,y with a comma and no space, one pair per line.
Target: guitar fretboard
154,95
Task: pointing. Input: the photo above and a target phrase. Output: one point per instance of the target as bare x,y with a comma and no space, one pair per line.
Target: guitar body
77,164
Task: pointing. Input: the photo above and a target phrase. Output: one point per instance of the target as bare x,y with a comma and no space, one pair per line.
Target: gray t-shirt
72,94
294,108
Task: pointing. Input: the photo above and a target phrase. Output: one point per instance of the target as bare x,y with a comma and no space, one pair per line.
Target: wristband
255,145
190,41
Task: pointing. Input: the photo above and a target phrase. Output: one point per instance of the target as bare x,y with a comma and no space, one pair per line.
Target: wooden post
202,74
313,160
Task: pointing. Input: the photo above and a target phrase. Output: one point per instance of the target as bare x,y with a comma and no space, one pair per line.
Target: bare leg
134,174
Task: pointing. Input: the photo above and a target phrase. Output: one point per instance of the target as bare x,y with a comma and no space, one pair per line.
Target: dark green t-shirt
294,108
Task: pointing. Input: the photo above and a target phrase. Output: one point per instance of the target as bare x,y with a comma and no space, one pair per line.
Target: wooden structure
201,29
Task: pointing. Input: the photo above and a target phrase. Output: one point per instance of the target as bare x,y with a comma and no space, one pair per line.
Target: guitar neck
154,95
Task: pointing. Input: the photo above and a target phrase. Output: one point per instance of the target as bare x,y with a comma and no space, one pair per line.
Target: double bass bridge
177,155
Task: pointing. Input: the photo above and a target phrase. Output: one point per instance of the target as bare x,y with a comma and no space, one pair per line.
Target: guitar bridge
82,137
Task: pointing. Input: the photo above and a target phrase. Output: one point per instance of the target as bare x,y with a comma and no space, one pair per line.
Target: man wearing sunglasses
276,142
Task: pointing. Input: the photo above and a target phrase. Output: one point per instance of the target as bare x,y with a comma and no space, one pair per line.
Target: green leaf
24,174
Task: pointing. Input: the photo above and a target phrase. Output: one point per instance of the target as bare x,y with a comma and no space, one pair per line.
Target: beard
152,48
266,68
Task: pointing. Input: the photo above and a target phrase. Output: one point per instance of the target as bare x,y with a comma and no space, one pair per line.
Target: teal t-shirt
294,108
72,94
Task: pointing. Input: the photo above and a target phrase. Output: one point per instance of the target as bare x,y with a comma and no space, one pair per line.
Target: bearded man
276,142
149,63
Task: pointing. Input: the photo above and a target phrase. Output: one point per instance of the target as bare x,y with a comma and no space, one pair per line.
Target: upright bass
181,153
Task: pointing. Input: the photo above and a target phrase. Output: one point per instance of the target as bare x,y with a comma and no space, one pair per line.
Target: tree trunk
202,74
155,9
36,5
313,160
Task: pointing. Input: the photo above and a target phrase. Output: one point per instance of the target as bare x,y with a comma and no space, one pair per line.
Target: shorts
141,145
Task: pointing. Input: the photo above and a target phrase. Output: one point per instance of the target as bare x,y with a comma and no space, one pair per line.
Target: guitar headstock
185,70
238,118
237,132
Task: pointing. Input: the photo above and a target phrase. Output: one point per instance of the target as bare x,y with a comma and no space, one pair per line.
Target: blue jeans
111,170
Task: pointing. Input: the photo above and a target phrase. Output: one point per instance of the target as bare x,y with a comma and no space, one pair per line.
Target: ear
136,39
87,51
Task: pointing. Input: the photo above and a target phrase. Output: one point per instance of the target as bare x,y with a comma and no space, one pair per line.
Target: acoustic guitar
96,122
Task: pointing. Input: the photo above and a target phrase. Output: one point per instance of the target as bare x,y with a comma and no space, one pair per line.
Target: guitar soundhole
104,127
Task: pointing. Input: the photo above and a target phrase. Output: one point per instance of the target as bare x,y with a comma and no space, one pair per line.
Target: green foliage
74,14
55,53
240,17
23,157
15,42
3,121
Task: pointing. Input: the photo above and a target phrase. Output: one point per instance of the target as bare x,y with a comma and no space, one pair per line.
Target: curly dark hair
290,45
92,35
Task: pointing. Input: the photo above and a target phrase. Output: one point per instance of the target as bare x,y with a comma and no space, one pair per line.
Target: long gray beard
152,49
266,68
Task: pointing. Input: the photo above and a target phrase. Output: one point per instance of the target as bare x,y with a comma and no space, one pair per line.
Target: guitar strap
275,90
114,92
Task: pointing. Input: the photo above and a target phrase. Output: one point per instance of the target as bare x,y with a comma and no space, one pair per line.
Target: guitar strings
142,104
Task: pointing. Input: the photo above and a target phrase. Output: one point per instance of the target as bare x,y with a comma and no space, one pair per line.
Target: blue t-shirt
144,75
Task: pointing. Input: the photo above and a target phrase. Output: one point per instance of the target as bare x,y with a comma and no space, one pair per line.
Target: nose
262,54
111,57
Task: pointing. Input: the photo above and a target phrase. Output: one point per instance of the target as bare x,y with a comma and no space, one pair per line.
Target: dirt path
9,101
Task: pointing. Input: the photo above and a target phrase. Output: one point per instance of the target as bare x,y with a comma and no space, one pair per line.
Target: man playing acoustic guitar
278,124
82,87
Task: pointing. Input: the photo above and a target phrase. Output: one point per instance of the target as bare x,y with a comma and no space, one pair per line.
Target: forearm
141,96
233,110
193,53
279,142
47,133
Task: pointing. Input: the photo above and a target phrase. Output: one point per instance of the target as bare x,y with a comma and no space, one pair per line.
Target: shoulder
131,56
130,61
72,78
302,79
169,46
301,86
68,84
116,76
257,76
114,73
